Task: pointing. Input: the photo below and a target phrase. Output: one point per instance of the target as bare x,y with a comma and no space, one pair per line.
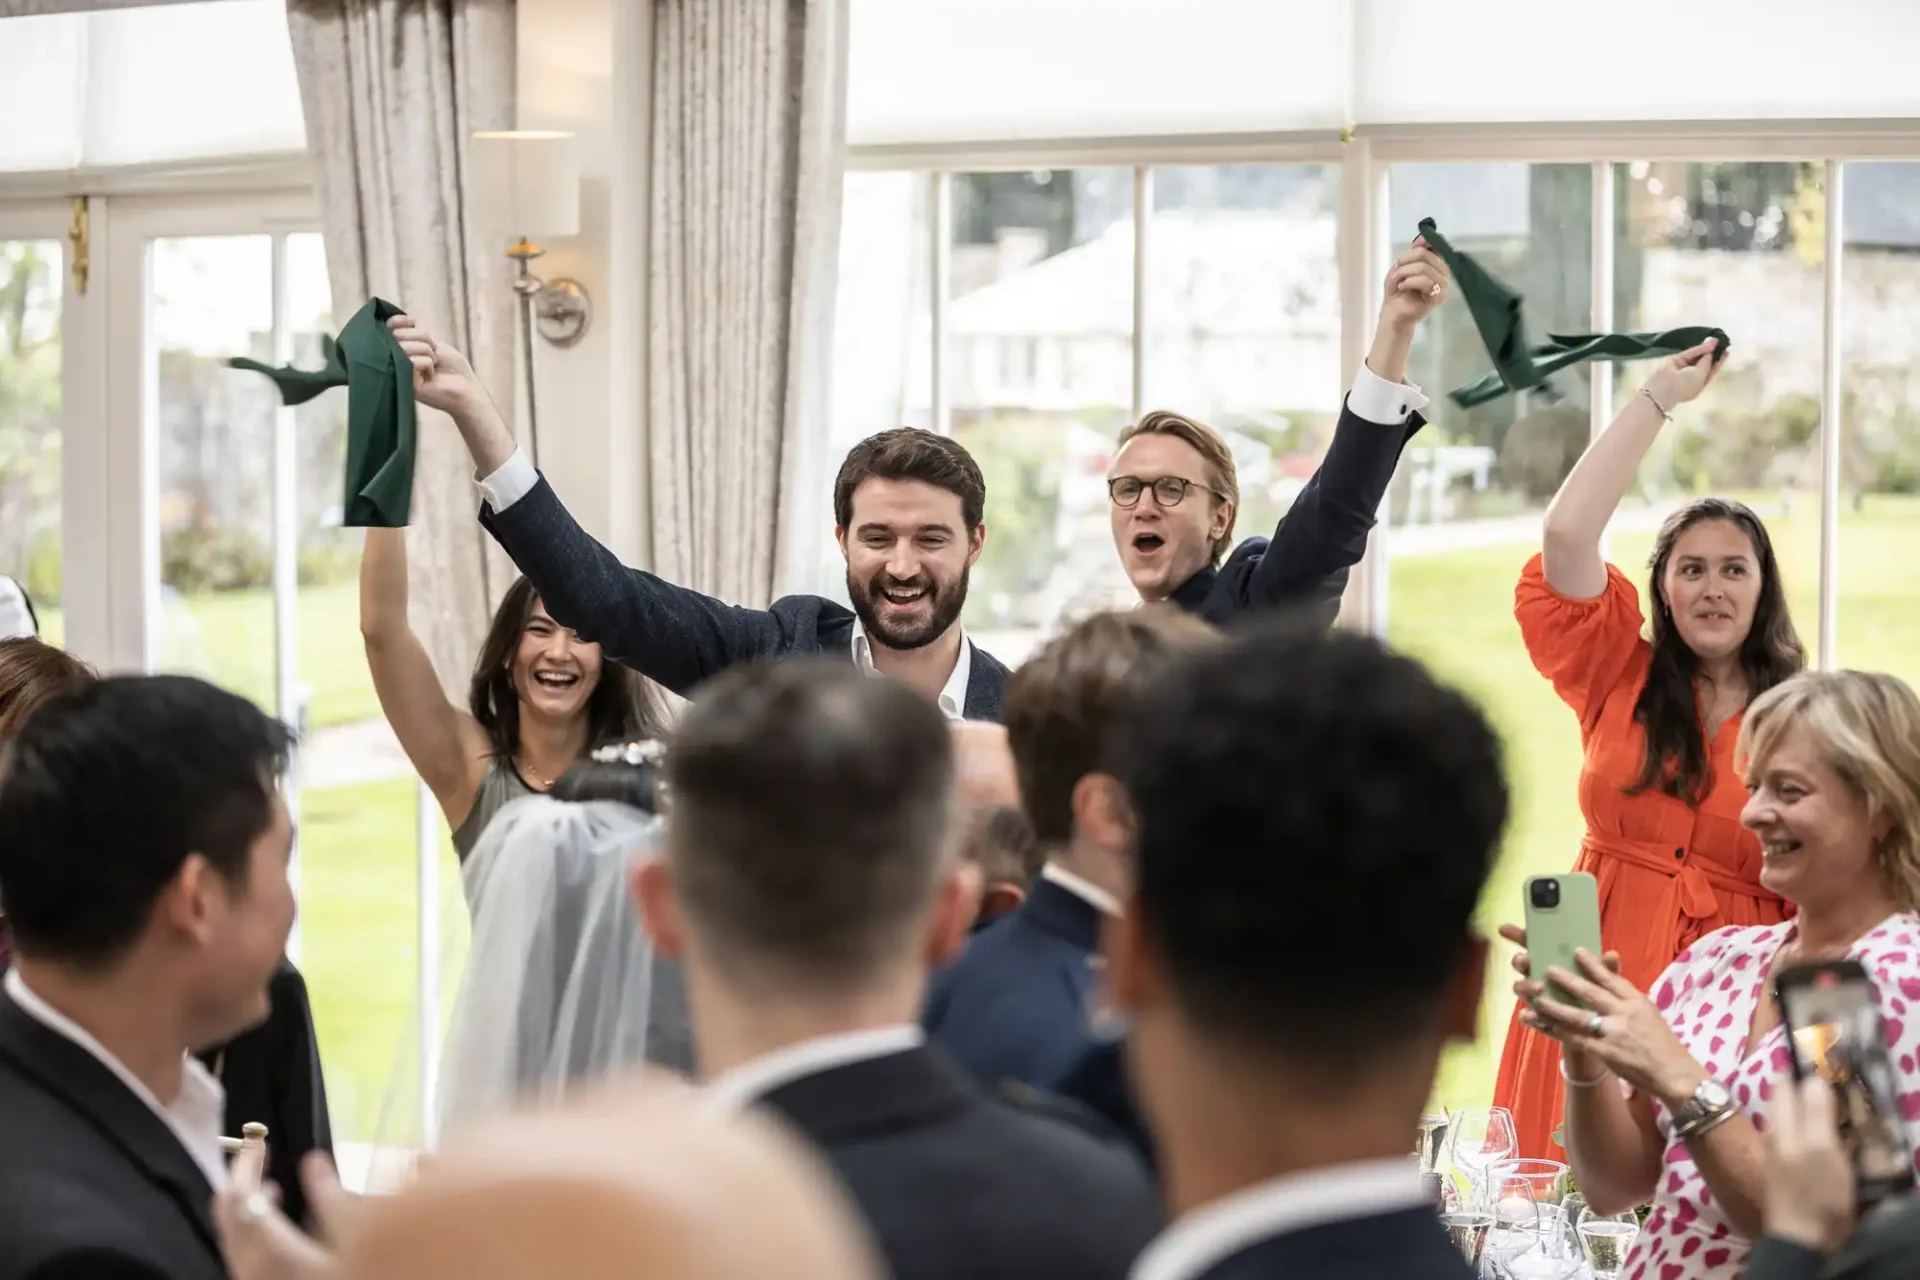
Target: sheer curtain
748,123
393,89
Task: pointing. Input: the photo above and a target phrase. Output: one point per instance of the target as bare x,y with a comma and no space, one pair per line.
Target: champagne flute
1479,1138
1606,1239
1432,1142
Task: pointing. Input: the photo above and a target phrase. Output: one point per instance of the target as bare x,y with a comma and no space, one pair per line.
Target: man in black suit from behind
1015,1006
810,883
1316,819
143,860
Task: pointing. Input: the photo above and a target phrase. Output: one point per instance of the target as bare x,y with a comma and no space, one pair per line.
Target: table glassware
1432,1142
1479,1138
1606,1239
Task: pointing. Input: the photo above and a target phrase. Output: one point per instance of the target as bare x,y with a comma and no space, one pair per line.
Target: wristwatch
1709,1105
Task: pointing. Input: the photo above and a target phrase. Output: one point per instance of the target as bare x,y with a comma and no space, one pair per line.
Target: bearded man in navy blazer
1316,818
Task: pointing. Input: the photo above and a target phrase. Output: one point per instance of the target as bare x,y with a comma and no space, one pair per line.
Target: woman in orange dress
1659,714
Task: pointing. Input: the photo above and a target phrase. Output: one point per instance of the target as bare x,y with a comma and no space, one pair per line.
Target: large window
1465,507
1879,481
1040,336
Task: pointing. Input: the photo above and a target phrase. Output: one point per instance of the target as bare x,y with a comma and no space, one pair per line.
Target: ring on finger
1435,291
1596,1025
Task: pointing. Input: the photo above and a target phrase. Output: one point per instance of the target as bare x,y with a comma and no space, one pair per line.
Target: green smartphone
1563,914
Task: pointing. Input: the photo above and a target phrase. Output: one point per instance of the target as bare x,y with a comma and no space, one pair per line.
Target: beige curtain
392,90
748,130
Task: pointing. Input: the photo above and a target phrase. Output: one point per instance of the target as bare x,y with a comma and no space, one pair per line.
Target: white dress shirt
1215,1232
512,481
1374,399
195,1115
1082,888
953,696
740,1086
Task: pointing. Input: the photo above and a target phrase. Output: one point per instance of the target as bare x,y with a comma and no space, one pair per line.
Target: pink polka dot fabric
1709,996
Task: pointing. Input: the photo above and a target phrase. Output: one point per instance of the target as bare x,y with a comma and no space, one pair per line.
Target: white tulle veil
560,984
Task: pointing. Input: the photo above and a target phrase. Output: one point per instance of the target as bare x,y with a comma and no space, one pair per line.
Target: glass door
247,579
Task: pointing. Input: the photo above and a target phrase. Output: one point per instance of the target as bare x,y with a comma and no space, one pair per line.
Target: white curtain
393,89
748,129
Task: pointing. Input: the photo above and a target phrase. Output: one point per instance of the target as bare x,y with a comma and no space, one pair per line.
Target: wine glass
1606,1239
1534,1239
1468,1218
1479,1138
1432,1142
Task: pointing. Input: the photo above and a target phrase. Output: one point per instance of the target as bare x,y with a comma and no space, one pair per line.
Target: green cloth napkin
381,431
1518,367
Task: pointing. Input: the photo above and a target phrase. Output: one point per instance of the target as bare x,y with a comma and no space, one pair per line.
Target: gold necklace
541,781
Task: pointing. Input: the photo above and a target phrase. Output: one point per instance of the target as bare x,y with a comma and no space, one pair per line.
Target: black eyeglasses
1168,491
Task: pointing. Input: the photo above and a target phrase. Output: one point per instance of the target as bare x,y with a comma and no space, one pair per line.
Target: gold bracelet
1655,401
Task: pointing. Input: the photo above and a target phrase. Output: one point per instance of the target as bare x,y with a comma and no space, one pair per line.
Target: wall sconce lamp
526,185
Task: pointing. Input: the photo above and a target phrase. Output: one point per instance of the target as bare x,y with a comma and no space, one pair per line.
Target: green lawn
1454,611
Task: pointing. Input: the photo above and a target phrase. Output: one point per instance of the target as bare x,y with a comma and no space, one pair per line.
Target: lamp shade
527,183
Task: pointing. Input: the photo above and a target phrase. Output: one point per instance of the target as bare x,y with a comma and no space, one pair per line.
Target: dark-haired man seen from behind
143,860
810,883
1175,495
909,514
1316,819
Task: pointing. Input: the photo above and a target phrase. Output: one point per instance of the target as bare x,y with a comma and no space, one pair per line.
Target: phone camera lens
1546,895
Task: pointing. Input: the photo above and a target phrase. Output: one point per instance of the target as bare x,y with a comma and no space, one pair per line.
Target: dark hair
635,784
1063,703
1668,708
1000,841
106,792
32,672
1316,818
811,811
908,453
622,707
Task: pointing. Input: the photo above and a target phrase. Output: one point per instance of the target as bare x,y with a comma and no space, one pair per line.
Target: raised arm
1324,532
445,745
1578,514
673,635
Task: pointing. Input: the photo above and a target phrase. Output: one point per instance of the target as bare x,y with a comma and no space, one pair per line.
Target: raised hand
442,378
1682,377
1416,286
1810,1191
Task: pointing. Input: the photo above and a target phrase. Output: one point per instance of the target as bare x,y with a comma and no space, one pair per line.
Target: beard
945,600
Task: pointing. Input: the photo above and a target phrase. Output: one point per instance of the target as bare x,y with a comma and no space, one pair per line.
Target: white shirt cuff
1388,403
513,481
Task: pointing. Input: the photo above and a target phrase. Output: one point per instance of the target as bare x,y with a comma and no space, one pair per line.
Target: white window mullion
940,280
1833,363
285,542
1142,308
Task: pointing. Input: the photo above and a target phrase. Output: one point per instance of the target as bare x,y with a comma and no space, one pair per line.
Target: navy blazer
958,1185
1406,1245
676,636
1013,1006
1098,1081
1322,535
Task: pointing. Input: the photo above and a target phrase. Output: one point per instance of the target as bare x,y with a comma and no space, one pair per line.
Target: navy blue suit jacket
676,636
1406,1245
1321,537
1013,1006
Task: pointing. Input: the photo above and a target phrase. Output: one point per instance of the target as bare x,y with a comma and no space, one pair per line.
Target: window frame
1364,155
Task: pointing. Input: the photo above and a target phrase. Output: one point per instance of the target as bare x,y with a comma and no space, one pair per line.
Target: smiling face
1161,547
1712,585
908,553
1817,833
554,672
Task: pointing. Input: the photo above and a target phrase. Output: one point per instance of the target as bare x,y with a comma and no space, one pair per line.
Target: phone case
1555,933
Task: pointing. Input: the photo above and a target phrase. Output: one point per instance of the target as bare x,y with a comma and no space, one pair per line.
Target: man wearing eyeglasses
1175,495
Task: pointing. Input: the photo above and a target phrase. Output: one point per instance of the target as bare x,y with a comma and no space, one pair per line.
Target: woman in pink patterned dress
1668,1096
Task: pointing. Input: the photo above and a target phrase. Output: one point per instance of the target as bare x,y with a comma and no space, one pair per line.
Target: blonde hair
1866,727
1213,450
